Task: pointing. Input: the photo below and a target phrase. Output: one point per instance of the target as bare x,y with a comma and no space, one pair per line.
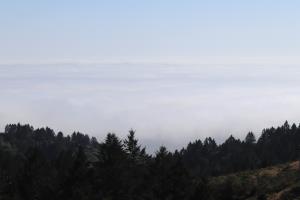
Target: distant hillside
280,182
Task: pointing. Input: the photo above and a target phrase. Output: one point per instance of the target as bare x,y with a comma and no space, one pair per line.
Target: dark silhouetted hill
42,164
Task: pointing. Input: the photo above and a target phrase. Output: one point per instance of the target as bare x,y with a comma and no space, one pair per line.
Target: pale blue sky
173,70
134,30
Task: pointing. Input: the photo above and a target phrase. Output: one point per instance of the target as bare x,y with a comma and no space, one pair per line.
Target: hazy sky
134,30
172,70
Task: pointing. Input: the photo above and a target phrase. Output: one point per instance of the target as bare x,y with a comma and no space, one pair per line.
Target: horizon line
208,60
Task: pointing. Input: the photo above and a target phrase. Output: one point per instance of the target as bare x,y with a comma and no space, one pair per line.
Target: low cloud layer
166,104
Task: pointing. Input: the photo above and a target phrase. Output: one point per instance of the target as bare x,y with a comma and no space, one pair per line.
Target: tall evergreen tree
250,138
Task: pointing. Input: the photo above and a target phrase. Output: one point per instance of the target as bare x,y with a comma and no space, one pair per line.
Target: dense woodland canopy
40,164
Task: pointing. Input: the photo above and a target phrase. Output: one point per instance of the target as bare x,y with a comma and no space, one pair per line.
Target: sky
172,70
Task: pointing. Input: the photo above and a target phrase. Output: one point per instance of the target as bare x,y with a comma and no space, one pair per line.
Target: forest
39,164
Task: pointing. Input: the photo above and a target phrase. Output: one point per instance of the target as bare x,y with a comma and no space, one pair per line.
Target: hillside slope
280,182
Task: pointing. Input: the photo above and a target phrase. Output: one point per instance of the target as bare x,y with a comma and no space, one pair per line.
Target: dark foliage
39,164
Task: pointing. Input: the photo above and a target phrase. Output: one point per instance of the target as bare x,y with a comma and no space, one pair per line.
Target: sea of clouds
167,104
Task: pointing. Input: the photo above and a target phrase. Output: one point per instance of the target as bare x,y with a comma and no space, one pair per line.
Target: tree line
41,164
